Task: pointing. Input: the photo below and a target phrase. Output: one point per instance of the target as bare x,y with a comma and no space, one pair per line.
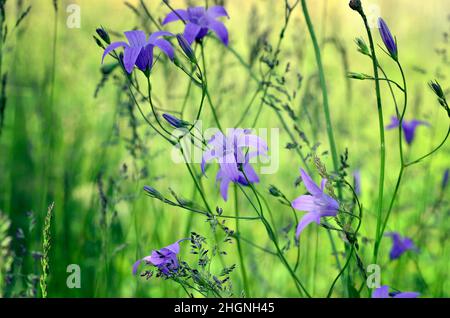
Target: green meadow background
61,144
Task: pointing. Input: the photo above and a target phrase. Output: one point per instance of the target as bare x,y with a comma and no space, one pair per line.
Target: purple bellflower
388,39
139,50
400,245
199,21
165,259
318,204
409,127
383,292
233,160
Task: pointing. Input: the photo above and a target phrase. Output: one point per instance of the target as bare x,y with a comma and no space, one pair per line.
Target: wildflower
409,127
139,51
199,21
186,48
318,204
164,259
444,183
383,292
400,245
388,39
234,164
175,122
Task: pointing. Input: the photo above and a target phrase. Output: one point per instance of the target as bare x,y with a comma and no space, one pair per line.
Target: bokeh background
70,137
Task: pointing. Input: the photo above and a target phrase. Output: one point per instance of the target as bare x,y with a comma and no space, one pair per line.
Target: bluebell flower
139,50
409,127
233,160
318,204
400,245
199,21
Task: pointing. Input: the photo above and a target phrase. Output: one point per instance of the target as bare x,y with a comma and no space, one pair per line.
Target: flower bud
103,34
186,48
175,122
355,5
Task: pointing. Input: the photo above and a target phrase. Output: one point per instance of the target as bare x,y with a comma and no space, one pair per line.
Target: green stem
299,285
239,246
381,129
205,88
323,85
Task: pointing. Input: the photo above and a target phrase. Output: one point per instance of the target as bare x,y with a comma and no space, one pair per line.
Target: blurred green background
92,156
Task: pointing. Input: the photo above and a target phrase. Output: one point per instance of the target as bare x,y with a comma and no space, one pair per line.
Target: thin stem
431,152
326,109
323,85
239,247
299,285
213,110
381,129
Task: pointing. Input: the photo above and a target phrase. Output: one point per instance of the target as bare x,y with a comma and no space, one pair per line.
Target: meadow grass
92,155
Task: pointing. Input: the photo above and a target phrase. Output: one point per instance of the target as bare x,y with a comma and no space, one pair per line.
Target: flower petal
407,295
136,266
250,173
130,57
136,38
224,183
305,203
112,47
220,29
191,31
174,248
381,292
145,58
253,141
216,12
309,184
165,47
155,35
175,16
305,221
394,123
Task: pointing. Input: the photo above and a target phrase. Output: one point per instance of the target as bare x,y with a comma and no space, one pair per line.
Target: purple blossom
139,50
318,204
199,21
234,162
165,259
388,39
400,245
383,292
409,127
